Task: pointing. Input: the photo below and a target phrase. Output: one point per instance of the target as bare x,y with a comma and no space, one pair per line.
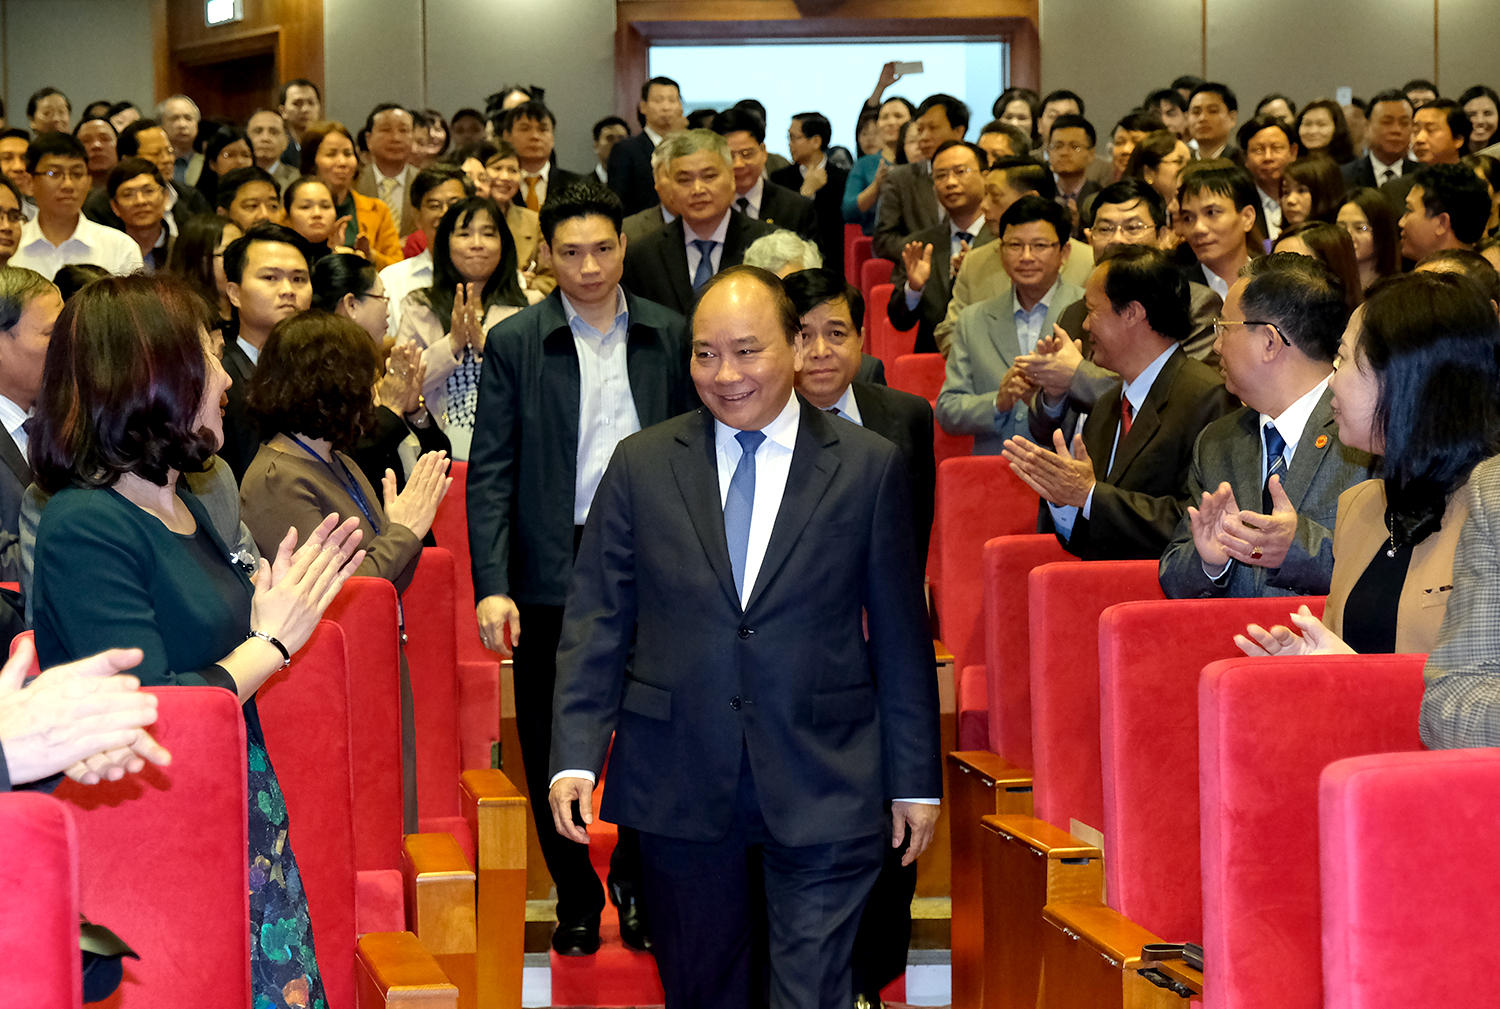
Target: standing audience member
1265,481
1021,108
13,145
504,169
756,196
1279,107
1268,145
248,196
1440,136
1389,138
60,233
1213,111
1216,204
537,460
1312,189
1482,105
1172,107
607,132
1330,245
328,153
1117,488
228,150
310,213
386,176
48,111
660,113
1446,208
1371,223
99,141
1321,127
1420,93
531,128
268,142
198,258
138,196
467,128
1357,115
12,218
433,191
1158,161
1002,140
908,203
146,139
474,287
867,177
1070,152
179,117
29,307
300,104
813,175
1129,131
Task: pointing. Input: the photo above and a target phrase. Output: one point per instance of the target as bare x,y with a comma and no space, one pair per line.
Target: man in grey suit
908,203
983,391
1267,478
29,305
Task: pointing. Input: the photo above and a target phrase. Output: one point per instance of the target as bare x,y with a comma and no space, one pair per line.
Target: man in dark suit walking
813,176
1121,490
562,383
737,550
1265,480
669,267
630,173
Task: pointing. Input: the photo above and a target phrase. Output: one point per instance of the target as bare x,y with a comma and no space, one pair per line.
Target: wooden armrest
393,967
439,885
941,651
1042,837
992,768
1106,930
496,812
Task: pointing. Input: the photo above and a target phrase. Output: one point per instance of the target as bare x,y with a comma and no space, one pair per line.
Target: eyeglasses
377,297
1061,147
1133,228
140,194
1020,248
71,174
951,173
1220,325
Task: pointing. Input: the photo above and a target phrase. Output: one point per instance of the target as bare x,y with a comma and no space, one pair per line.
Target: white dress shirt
1383,172
655,137
602,174
1271,208
400,279
753,197
1029,324
716,255
1218,284
606,406
250,349
541,184
14,419
89,243
848,407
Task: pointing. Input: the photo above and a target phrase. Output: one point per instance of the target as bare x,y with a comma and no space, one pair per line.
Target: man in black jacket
563,382
630,173
812,175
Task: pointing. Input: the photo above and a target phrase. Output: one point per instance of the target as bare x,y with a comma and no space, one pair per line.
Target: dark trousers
703,901
884,938
579,896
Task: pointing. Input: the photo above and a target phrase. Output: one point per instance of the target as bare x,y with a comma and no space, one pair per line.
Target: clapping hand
815,180
400,386
1216,510
468,318
1052,366
1262,540
292,592
1014,387
1058,476
1315,639
417,503
918,261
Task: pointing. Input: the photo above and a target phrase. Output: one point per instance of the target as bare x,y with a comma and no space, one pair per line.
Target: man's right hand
1054,363
917,258
496,615
565,792
1206,521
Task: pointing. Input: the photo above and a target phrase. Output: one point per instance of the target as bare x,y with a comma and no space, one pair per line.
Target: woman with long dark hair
198,258
868,174
474,286
227,150
1371,222
1322,128
1312,189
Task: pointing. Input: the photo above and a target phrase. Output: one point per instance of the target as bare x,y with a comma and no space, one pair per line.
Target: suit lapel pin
1321,442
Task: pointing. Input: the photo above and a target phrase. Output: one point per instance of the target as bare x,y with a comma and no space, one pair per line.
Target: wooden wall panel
291,31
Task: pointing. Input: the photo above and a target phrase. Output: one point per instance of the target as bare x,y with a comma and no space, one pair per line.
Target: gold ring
1256,553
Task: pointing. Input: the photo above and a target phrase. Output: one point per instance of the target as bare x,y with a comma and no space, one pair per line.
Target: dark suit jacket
907,205
640,224
834,726
241,432
828,205
560,178
1230,450
1360,172
523,462
190,203
15,477
871,369
1140,499
630,172
905,421
1396,191
786,208
656,267
932,306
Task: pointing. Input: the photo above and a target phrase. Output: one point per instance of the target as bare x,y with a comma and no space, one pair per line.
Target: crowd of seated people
1262,352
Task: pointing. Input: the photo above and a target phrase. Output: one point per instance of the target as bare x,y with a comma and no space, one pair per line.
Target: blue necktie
705,261
738,505
1275,464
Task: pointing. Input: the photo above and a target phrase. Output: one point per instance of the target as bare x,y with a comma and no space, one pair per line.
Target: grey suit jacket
638,225
1229,450
907,205
985,345
15,477
932,304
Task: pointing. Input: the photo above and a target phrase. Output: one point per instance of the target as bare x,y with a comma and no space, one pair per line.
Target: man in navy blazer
715,628
630,173
563,382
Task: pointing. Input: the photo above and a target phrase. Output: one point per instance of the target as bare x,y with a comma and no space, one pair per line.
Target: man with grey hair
782,253
179,117
29,305
669,267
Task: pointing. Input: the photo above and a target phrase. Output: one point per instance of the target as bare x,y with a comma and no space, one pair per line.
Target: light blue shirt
606,407
1029,324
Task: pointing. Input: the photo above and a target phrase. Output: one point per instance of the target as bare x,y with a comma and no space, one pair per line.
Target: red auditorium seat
852,235
1267,729
871,273
1409,912
39,913
918,374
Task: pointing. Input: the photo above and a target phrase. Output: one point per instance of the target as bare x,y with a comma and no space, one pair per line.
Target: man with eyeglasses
433,190
1070,151
1113,482
1265,481
921,277
60,234
146,138
984,394
138,196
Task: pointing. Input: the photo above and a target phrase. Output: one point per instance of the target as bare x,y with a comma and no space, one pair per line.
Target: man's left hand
1058,477
922,818
815,180
1262,540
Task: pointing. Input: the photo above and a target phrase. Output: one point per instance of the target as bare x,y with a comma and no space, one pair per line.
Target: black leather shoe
581,939
633,931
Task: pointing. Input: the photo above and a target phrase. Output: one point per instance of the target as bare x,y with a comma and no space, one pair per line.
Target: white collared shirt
773,461
848,406
13,419
1271,208
601,173
804,169
655,137
1291,425
400,279
1218,284
606,406
1380,168
89,243
541,184
753,196
716,254
250,349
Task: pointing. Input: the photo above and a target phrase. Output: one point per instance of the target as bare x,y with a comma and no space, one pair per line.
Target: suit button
745,632
734,702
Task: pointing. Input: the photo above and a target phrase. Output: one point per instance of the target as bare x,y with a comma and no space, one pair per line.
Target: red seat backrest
877,325
307,717
873,272
852,235
862,251
1150,657
1066,601
451,530
978,498
1402,914
1267,728
919,374
1008,561
164,857
366,610
433,661
893,343
39,914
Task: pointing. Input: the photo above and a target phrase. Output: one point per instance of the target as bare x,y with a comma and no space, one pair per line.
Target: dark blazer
241,432
871,369
786,208
523,462
1230,450
15,477
656,267
908,204
905,421
1396,191
1139,501
834,726
642,223
828,205
560,178
190,203
630,172
1360,172
932,306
